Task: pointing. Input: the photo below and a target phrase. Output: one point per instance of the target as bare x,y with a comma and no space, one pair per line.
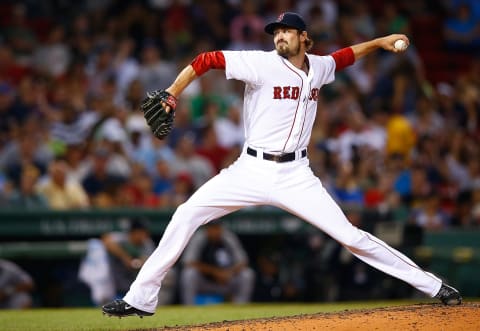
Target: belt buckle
277,157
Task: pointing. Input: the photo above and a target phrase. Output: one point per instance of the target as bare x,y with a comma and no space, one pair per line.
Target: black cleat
120,308
449,295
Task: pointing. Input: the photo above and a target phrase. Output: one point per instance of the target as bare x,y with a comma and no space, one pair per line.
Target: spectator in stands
155,71
53,56
229,128
61,192
462,29
27,149
211,149
7,111
183,124
417,185
163,179
183,188
126,68
10,71
186,160
468,106
15,286
426,121
20,34
347,188
98,181
246,28
25,197
401,137
429,214
100,68
215,262
75,155
393,21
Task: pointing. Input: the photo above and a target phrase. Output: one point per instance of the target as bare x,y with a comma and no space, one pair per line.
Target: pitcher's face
287,41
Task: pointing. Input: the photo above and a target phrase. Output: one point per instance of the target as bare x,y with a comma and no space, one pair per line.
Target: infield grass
92,318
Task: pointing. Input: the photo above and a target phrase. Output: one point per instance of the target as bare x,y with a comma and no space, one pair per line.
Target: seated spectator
229,129
25,196
25,149
15,286
99,180
182,189
187,161
347,188
162,180
138,192
462,30
430,216
60,192
246,28
211,149
215,262
127,252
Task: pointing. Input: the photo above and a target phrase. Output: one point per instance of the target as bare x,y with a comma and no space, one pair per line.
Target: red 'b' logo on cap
280,17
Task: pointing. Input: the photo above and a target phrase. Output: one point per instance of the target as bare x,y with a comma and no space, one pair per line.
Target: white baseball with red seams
280,104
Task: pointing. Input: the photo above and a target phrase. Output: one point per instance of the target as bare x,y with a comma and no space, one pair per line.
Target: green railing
73,223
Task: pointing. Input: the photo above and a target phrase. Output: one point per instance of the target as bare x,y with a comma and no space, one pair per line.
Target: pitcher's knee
356,241
187,215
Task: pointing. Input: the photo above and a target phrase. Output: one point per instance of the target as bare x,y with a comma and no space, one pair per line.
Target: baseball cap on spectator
138,224
287,19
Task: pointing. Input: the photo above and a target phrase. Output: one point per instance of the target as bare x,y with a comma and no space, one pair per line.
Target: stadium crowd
387,138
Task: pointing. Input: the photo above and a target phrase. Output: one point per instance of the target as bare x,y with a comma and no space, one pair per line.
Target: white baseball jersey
280,101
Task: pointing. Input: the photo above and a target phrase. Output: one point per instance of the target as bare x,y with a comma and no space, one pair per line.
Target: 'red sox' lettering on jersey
293,92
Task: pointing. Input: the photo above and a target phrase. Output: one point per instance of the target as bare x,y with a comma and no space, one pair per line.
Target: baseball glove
154,110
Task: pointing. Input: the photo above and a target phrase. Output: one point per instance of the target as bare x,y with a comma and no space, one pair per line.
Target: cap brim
269,28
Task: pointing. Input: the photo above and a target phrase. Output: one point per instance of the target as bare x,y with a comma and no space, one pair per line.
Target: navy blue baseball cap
287,19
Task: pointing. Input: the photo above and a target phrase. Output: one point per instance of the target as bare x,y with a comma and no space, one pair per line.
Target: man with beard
280,103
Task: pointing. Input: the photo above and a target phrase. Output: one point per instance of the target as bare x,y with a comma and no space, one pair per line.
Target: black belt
285,157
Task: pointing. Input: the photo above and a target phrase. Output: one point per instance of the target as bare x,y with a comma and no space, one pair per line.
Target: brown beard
286,52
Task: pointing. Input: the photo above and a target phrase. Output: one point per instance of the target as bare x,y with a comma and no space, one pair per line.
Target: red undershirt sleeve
343,58
208,60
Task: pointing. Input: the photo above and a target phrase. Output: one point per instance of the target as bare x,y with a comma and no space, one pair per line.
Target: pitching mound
422,317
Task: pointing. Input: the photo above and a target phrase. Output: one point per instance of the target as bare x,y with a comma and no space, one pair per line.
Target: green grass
92,319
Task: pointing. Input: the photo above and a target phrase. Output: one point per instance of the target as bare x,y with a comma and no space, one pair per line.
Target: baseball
400,45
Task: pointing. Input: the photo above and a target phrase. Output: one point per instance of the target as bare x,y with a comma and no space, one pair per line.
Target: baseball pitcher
280,101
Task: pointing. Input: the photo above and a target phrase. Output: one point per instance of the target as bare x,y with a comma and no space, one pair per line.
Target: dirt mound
422,317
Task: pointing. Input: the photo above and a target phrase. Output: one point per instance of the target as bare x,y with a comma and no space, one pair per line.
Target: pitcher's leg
311,202
234,188
144,290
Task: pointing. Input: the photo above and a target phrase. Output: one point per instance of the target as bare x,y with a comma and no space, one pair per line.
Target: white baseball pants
290,186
